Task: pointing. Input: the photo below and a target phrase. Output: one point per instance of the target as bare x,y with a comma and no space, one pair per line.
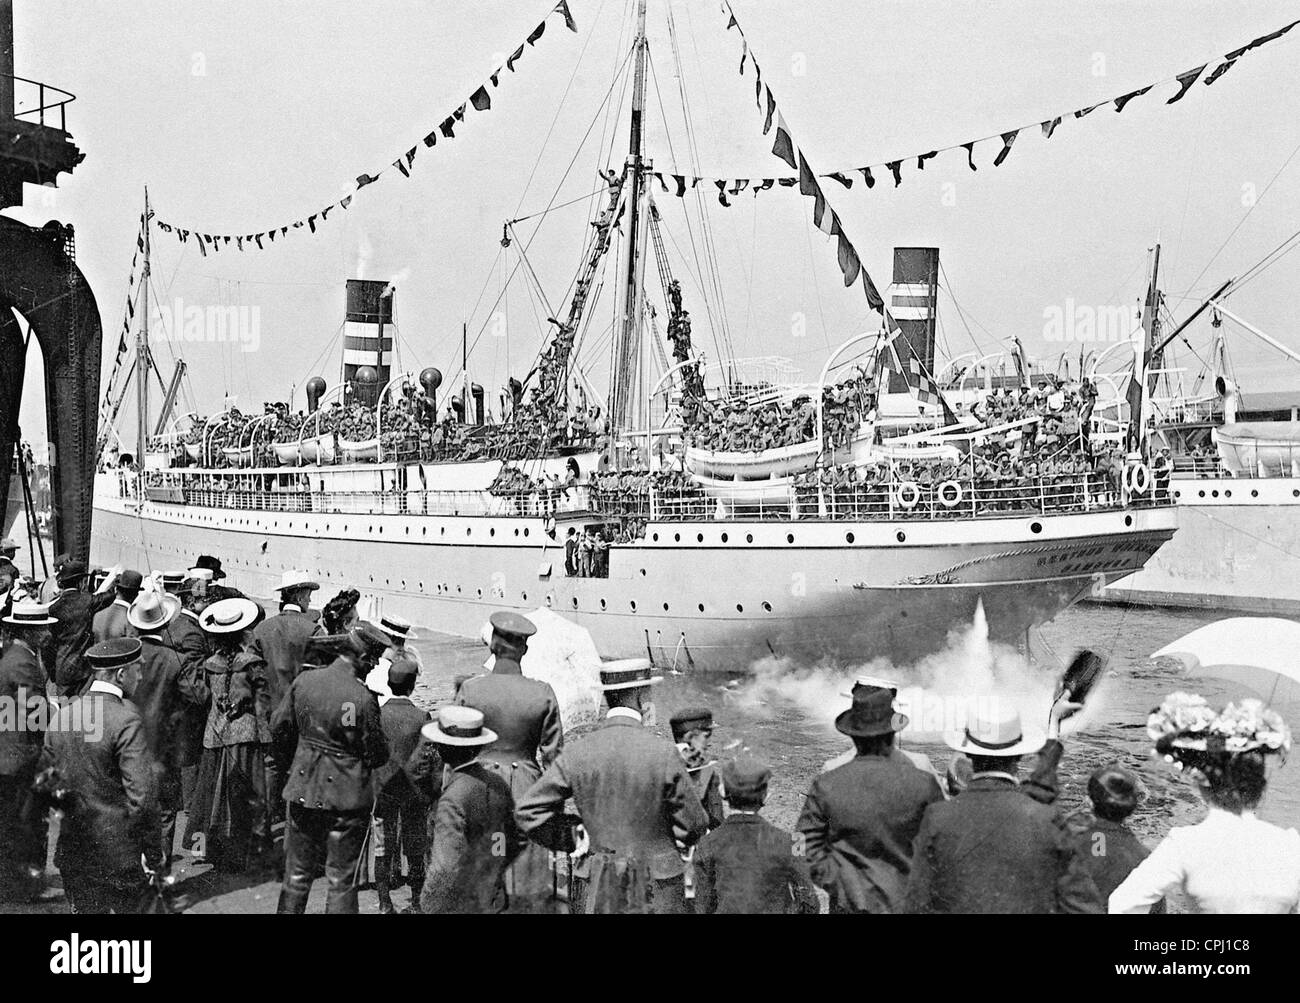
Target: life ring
950,494
908,494
1137,478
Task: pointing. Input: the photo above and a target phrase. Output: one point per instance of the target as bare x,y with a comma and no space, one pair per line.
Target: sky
242,115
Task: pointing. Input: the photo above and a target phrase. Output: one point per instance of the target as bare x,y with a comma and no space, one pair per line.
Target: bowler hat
72,571
1114,791
213,564
872,714
129,581
744,780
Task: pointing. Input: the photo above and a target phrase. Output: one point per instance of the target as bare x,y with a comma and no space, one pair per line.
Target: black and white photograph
660,457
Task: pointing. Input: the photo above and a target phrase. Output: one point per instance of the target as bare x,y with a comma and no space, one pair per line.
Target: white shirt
1226,864
624,712
100,686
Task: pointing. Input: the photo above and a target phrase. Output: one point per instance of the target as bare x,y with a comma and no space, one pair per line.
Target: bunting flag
784,148
824,217
110,391
480,100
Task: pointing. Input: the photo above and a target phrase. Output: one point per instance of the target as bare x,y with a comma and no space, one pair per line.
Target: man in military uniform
328,738
109,813
167,689
475,836
110,621
22,690
281,642
525,715
634,797
401,805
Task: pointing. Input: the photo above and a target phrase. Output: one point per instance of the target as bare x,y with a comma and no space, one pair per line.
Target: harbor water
784,713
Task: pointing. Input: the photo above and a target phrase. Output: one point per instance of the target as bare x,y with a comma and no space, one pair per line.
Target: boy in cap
110,820
525,715
748,865
1110,849
692,729
475,837
400,805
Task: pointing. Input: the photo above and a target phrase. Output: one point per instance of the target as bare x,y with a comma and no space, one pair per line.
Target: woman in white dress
1232,862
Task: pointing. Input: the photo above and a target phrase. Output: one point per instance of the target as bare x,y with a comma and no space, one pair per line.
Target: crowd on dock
289,744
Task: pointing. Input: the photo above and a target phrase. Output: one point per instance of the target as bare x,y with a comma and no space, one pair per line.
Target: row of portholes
749,538
424,530
740,608
1227,493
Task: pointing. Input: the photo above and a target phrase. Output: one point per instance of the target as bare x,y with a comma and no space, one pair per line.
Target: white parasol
1257,654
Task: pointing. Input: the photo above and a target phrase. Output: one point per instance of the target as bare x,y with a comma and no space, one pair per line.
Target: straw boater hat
296,580
29,613
874,682
227,616
457,725
626,674
172,581
996,732
151,611
395,627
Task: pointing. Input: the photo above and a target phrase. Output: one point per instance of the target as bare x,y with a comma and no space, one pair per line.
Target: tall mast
627,354
142,351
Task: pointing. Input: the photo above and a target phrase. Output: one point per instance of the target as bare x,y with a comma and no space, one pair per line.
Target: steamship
734,567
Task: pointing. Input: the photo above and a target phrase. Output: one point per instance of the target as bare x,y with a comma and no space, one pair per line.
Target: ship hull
1237,549
714,594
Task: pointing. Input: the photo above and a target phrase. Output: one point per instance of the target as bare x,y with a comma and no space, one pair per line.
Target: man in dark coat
748,865
859,820
328,739
281,642
1110,849
475,837
184,636
992,849
525,715
692,729
166,691
22,696
72,635
110,621
100,757
634,797
401,806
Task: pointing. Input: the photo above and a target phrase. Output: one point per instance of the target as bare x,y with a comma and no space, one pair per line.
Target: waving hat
152,611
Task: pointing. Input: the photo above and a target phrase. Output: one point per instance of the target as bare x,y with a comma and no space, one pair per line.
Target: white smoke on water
970,672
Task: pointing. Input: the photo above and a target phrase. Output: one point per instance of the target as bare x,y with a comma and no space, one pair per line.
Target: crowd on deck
289,745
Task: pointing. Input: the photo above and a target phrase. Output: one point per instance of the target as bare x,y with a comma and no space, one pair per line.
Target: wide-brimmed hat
365,638
872,714
213,564
395,627
152,611
995,732
228,616
296,580
9,544
626,674
457,725
29,613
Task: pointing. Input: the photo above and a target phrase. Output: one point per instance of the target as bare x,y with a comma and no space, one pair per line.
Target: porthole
724,537
525,531
516,531
1128,520
700,607
643,572
602,604
525,596
469,530
749,537
900,536
1035,527
665,607
442,530
740,608
655,537
699,537
408,530
848,537
1214,494
1200,494
633,605
1178,494
492,531
1254,493
1295,494
1227,494
424,530
575,602
480,593
677,538
789,538
767,607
